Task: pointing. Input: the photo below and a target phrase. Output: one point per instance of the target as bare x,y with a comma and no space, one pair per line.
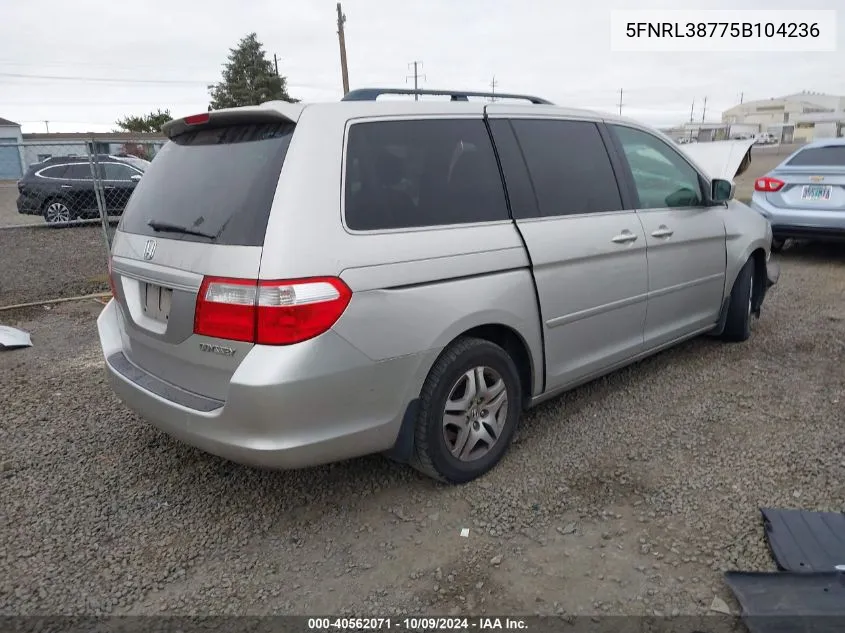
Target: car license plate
815,193
157,302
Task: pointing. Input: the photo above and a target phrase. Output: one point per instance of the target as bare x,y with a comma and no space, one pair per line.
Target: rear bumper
287,407
28,206
810,223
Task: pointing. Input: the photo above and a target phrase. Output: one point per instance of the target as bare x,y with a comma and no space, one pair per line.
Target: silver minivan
300,284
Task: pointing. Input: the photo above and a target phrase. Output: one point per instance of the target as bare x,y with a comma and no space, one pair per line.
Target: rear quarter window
830,156
58,171
418,173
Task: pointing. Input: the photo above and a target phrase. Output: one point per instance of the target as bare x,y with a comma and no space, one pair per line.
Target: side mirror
135,177
721,190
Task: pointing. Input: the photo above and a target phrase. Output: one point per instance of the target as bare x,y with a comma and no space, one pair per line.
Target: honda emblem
149,249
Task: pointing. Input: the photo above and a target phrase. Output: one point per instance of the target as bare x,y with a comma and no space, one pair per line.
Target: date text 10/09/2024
722,29
416,624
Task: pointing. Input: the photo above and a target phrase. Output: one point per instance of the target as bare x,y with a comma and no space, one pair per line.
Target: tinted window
220,181
662,177
116,171
517,181
402,174
53,172
830,156
569,166
80,171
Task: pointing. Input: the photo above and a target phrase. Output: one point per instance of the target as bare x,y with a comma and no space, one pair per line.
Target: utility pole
620,102
493,88
341,20
704,110
47,123
416,76
741,96
276,62
692,110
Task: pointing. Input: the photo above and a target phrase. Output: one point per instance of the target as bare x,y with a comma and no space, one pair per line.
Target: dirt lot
626,496
43,263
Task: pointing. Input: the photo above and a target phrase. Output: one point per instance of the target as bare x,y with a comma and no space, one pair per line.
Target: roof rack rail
371,94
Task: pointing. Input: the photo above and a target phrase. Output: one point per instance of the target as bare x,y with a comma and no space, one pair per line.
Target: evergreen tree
151,122
248,78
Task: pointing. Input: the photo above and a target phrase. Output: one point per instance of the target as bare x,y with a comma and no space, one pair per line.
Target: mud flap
803,541
790,601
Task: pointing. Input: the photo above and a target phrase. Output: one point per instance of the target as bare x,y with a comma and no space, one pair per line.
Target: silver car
300,284
804,196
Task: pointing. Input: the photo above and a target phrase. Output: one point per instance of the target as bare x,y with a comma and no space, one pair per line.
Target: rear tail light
768,184
269,312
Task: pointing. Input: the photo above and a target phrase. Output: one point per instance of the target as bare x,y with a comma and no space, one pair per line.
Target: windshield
217,181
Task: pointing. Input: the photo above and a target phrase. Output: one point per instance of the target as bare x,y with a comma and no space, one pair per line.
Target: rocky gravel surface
42,263
628,496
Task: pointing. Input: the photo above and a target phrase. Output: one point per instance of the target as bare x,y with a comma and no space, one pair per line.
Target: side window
403,174
662,177
53,172
116,171
569,166
78,172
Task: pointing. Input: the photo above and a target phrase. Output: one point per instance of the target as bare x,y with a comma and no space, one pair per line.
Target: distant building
800,117
11,153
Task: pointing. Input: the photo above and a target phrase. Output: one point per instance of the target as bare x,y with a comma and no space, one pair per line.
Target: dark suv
62,188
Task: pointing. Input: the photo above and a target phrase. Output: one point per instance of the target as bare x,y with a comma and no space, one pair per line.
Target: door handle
66,186
662,231
624,237
108,187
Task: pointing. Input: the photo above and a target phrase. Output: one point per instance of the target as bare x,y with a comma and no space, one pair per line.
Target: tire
58,211
777,245
738,323
435,438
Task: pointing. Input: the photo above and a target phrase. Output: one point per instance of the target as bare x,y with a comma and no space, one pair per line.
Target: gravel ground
43,263
626,496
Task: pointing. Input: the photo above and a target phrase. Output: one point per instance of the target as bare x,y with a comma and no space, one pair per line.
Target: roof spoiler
233,116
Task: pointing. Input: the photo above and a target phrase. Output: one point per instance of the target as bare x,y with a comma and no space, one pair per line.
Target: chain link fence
60,202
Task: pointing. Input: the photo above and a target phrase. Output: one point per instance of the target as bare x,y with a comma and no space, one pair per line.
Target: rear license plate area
816,193
156,301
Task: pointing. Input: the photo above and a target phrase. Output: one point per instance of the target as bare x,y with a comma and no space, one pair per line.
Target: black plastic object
371,94
790,601
803,541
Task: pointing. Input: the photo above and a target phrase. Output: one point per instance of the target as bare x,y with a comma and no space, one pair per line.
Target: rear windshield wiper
175,228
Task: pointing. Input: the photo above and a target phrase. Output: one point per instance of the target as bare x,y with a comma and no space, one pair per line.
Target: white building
799,117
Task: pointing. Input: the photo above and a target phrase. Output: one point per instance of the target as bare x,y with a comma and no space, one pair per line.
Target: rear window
830,156
404,174
58,171
218,181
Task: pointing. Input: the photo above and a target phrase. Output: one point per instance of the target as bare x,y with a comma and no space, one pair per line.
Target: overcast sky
81,65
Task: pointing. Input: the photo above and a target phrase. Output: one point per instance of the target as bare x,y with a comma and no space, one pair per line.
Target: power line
106,79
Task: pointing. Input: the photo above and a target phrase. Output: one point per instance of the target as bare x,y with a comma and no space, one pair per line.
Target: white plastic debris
465,532
13,338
